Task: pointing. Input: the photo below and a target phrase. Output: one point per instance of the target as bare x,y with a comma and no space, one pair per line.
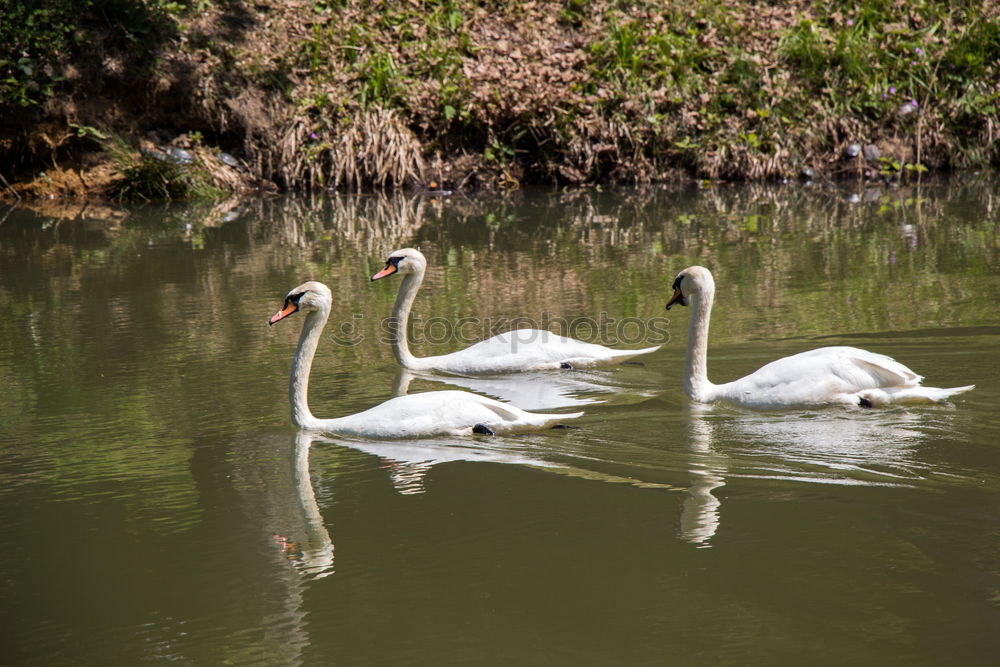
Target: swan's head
307,297
405,261
694,281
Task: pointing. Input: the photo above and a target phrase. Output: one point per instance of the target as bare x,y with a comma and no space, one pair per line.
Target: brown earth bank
169,100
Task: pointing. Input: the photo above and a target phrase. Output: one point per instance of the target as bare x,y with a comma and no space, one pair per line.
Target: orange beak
289,309
387,271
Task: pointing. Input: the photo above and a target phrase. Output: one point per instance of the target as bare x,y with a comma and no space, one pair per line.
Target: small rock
179,155
852,150
434,189
227,159
155,154
872,153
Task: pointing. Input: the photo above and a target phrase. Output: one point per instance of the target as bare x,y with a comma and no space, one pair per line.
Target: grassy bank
349,94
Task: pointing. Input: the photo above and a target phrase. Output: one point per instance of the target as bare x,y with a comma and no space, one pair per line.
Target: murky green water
158,506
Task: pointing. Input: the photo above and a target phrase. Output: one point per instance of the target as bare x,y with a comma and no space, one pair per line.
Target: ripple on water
97,459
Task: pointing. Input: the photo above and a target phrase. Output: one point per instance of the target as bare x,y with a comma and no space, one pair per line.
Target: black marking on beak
391,267
290,307
678,296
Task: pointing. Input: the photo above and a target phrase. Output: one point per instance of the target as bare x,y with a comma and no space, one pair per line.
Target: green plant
38,37
32,35
573,11
152,175
379,80
86,131
314,49
497,152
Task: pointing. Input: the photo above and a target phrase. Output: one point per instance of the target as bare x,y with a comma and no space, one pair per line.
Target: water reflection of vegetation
883,252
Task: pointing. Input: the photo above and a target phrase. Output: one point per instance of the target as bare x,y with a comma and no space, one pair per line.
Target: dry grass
375,149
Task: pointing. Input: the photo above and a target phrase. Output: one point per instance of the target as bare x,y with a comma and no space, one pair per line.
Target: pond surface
159,506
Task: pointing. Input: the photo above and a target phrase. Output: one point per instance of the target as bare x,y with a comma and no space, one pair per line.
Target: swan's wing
504,415
886,371
512,350
502,411
849,366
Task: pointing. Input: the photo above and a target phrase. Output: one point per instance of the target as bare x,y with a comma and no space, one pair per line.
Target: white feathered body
437,413
829,375
525,350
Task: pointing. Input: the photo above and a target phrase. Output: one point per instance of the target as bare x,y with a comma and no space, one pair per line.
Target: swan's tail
938,394
551,420
918,394
623,355
544,420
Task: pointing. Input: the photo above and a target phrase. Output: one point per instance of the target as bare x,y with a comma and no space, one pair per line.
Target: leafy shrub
38,37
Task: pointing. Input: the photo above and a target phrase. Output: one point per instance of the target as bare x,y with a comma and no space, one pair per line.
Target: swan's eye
295,298
394,261
677,282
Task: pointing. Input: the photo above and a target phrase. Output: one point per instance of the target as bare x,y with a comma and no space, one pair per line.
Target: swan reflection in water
295,524
408,463
304,540
547,390
271,476
859,447
854,448
823,447
539,390
700,511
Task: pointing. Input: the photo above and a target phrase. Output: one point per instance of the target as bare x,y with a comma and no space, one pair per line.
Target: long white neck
401,317
298,381
696,382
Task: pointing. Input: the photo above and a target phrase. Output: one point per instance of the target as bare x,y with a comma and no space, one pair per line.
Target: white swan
511,351
825,376
416,415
